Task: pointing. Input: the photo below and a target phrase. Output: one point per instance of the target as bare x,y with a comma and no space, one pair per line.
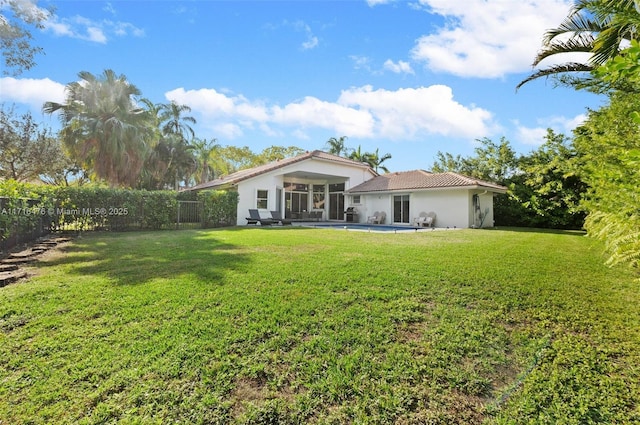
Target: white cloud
416,112
213,104
361,62
567,125
28,9
532,136
487,38
311,41
109,8
399,68
96,35
86,29
535,136
359,112
313,112
228,130
32,92
377,2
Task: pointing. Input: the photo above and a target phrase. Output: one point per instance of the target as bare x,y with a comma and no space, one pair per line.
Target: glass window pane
336,187
262,198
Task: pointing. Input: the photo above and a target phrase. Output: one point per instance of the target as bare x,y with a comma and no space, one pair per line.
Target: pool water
368,227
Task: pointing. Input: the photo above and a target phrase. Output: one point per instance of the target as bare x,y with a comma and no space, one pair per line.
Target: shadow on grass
138,257
537,230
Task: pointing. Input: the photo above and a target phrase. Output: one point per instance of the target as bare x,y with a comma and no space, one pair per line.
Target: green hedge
26,206
219,207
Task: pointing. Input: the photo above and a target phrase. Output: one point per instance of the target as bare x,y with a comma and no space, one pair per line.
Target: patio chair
254,218
373,218
422,220
432,216
380,218
278,218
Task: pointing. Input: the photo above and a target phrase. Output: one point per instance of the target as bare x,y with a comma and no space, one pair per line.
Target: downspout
477,212
482,216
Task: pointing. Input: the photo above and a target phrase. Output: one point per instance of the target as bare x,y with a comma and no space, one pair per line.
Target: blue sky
410,78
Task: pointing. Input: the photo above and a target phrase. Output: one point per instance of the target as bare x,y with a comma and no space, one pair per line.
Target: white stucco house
310,186
320,186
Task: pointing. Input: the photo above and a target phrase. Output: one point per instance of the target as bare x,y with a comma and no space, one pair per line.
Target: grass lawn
297,326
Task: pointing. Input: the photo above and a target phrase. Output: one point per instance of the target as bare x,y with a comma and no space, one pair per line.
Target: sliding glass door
401,209
336,201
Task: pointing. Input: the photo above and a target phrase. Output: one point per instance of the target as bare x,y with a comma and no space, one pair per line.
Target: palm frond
555,70
579,43
573,25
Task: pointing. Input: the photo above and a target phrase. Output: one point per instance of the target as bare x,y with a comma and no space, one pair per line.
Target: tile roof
261,169
420,179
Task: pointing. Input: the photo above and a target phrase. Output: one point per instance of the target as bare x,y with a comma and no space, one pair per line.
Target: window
296,187
355,199
262,199
336,187
296,198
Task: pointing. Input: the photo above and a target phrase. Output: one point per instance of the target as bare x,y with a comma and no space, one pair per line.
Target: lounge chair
254,218
278,218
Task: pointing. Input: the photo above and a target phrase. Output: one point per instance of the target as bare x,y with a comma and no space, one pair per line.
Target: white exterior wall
453,208
486,201
322,172
247,196
369,204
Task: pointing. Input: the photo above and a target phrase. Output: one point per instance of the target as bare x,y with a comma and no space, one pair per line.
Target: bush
24,207
219,207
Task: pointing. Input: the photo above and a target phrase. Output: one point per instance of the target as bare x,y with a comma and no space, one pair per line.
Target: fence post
178,219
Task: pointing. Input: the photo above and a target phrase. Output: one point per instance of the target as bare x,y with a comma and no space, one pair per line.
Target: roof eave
428,189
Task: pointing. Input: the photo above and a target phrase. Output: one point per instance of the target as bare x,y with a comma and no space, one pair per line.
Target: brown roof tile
420,179
261,169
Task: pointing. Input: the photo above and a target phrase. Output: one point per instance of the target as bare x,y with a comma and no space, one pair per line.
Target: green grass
296,326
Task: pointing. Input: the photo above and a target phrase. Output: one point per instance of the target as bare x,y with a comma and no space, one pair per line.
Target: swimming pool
367,227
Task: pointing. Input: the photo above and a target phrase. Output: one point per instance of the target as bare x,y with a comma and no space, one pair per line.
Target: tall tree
275,153
104,129
15,37
544,186
173,120
27,151
336,146
202,151
359,155
598,27
495,162
608,145
376,160
551,187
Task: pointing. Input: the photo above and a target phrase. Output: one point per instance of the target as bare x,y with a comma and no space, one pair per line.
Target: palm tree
376,160
358,155
592,26
181,162
103,128
337,146
373,160
172,159
174,123
202,150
